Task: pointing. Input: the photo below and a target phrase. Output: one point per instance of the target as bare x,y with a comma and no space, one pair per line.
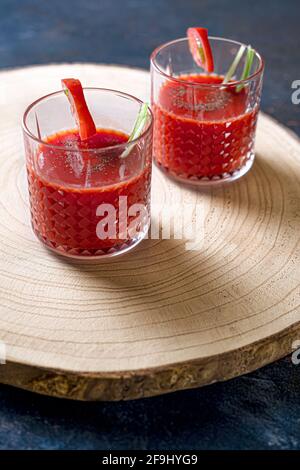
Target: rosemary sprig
137,128
247,67
234,65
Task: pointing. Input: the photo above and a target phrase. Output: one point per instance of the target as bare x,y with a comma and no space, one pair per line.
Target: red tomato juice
202,131
67,186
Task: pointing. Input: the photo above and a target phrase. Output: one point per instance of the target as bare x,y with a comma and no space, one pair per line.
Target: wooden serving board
160,318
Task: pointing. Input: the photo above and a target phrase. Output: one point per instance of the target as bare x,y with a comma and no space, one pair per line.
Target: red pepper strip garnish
200,48
73,89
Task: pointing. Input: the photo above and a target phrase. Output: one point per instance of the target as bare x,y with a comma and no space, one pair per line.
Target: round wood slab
160,318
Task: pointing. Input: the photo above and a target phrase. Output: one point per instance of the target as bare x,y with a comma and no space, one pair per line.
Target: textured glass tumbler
88,201
203,132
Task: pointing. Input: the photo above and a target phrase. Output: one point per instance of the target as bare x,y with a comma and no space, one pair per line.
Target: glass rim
94,149
209,85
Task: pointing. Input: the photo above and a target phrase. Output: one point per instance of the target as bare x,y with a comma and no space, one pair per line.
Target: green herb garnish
234,65
137,128
139,123
247,67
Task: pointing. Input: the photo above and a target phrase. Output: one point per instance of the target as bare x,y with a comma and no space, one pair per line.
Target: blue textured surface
261,410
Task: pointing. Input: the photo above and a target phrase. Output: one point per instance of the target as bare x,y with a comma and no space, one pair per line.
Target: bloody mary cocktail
88,198
204,129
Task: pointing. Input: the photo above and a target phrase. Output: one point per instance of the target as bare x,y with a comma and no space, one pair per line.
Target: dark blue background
261,410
